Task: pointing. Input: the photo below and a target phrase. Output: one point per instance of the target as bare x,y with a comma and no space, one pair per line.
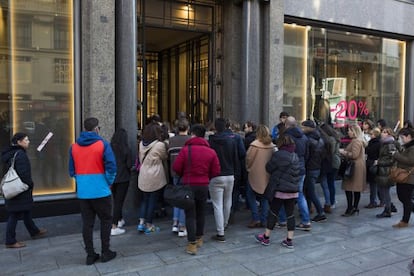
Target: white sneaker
117,231
121,223
182,233
175,229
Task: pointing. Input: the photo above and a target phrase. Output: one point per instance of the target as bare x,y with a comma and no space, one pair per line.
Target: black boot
385,214
393,208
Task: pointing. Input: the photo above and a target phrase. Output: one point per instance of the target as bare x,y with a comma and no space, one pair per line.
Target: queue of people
278,173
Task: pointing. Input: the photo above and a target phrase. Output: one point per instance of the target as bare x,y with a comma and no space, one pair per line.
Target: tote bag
11,185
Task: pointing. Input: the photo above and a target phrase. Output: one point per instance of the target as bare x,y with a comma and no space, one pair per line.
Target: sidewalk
359,245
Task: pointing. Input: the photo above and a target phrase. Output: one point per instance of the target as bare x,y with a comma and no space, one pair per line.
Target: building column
98,63
273,61
126,88
251,69
126,69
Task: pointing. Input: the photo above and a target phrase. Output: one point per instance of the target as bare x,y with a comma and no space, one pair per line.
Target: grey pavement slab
358,245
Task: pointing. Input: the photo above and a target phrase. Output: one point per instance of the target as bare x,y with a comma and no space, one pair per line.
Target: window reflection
36,86
350,76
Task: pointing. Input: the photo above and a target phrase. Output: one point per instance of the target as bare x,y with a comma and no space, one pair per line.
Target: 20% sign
350,109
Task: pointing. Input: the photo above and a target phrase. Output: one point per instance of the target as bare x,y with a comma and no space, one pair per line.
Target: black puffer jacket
284,170
386,161
316,151
23,201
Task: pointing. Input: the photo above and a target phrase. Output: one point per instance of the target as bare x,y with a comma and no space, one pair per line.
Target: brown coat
257,156
355,151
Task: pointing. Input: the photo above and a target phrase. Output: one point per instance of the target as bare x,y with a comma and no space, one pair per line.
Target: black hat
309,123
17,137
283,114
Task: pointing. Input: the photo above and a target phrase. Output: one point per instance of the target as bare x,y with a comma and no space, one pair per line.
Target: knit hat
309,123
17,137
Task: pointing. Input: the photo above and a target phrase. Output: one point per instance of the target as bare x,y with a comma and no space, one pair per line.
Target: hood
219,138
197,141
314,134
258,144
294,132
87,138
387,140
290,148
8,153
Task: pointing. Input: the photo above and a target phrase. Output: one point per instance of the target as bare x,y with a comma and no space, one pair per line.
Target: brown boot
199,241
401,224
327,209
191,248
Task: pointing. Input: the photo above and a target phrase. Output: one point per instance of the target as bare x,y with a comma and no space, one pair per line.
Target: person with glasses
93,165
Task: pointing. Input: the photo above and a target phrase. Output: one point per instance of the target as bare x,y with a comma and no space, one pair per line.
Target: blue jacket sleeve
71,164
110,163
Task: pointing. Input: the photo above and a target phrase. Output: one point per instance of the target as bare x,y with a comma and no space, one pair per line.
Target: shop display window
342,77
37,86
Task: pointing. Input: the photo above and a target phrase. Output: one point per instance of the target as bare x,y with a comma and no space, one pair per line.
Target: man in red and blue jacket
92,163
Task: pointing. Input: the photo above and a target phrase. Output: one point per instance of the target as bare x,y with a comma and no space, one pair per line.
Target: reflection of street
50,163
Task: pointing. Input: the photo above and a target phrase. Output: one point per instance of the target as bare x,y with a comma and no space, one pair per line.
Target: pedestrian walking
20,206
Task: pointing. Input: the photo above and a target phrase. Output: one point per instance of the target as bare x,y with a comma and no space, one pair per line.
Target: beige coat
356,151
257,156
152,176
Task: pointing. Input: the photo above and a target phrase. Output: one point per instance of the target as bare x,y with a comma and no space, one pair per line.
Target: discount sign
350,110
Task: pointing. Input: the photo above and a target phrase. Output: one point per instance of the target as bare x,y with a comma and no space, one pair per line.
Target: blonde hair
376,132
263,134
356,129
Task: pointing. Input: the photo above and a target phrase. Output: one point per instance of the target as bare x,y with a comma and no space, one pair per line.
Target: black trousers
273,215
195,217
404,193
102,207
119,191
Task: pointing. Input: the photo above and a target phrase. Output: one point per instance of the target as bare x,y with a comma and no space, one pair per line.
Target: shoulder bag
180,196
11,185
399,175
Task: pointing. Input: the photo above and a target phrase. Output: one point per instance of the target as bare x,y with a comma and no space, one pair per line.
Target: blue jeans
310,181
146,209
264,205
302,206
328,186
178,214
12,223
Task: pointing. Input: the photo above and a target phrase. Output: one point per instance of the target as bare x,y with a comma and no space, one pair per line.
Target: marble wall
98,63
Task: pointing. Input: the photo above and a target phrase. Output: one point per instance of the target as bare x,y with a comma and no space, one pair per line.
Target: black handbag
180,196
349,169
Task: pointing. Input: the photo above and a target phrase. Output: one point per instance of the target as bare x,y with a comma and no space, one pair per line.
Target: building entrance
175,46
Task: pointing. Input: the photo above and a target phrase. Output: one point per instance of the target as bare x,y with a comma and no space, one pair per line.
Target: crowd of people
274,171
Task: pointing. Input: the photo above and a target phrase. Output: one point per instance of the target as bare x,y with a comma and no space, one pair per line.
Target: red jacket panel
203,166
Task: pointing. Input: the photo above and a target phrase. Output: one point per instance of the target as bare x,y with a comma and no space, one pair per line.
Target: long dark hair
119,140
151,132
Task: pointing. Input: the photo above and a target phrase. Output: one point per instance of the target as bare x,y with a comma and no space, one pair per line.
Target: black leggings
273,215
404,192
352,196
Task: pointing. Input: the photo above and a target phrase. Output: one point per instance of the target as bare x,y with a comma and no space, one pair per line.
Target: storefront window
36,86
347,77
